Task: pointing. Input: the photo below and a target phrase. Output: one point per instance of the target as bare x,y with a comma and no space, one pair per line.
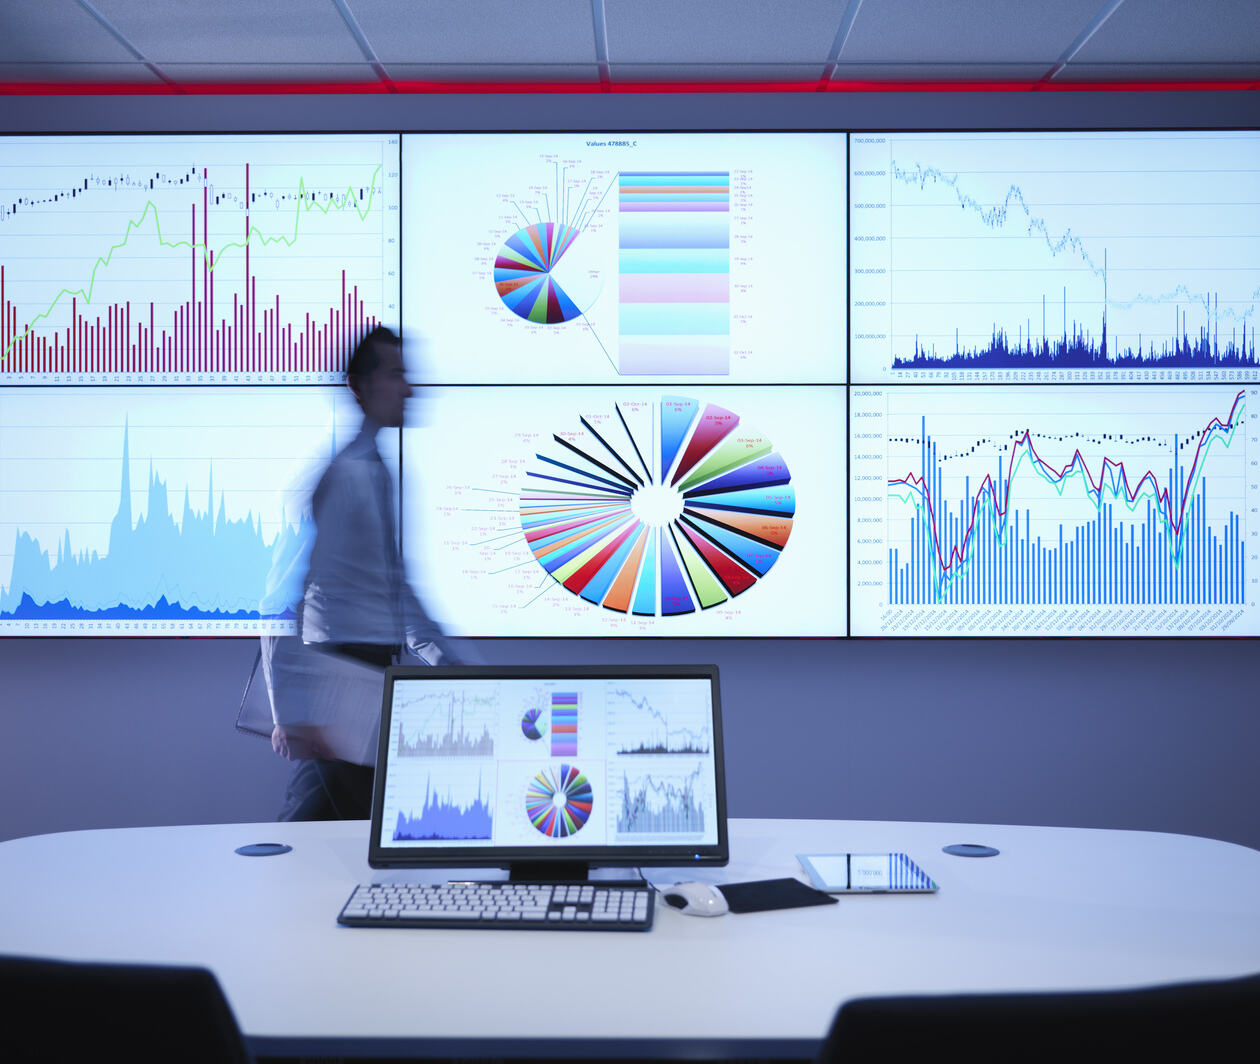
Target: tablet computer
866,873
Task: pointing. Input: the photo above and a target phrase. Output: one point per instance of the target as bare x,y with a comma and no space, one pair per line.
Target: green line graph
268,255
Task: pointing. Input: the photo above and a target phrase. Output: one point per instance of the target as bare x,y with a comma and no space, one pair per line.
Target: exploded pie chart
683,521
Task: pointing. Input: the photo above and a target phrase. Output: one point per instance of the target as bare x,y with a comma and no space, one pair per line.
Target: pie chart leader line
621,461
603,554
555,556
631,484
581,216
553,520
612,451
524,250
616,485
634,443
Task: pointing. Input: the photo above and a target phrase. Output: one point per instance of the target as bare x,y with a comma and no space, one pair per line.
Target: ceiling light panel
489,32
55,31
234,31
1155,31
735,31
980,31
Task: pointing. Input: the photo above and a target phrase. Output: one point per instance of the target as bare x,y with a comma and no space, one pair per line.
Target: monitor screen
598,258
495,766
636,510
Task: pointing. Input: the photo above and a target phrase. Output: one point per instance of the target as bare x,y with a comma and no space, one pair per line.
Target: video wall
672,384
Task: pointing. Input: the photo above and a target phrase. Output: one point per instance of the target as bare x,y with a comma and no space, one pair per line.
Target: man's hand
299,742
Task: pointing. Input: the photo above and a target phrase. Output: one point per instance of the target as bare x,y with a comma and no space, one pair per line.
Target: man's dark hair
366,356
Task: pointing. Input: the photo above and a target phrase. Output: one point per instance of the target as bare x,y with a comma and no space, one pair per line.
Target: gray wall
1151,734
1154,734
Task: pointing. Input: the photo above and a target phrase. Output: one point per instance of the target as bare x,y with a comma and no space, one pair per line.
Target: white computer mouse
696,899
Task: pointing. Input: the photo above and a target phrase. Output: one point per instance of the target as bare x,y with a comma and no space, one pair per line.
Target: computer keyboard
527,906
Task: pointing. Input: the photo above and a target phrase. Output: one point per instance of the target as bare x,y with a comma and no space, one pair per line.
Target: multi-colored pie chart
522,273
533,727
663,526
558,803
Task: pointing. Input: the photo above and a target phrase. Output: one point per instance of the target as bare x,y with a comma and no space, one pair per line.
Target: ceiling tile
549,73
268,73
721,31
1022,72
1151,31
997,31
234,31
133,73
1160,72
478,31
55,30
803,73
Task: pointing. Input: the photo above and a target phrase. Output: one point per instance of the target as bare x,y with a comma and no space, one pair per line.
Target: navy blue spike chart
1094,257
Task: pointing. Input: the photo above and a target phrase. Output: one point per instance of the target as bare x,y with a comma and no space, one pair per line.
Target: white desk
1059,909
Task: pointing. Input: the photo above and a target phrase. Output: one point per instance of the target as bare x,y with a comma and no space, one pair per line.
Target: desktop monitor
549,770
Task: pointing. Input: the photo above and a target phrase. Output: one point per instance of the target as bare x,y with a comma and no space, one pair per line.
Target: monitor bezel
606,855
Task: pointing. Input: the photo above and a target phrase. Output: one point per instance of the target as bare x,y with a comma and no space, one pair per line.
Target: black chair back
1193,1021
61,1011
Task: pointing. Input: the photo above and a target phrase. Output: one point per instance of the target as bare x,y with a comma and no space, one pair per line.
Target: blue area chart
204,566
443,818
664,526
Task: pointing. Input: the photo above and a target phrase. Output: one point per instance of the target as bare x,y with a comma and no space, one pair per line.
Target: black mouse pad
764,894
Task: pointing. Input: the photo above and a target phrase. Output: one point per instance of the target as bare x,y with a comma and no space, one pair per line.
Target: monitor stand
549,871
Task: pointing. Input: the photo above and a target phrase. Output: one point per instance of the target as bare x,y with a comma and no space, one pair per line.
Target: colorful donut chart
733,496
559,803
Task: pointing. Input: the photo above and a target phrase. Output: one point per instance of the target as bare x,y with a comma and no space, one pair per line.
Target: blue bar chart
1028,511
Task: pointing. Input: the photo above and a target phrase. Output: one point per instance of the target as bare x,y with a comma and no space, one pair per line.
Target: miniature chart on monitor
591,258
550,764
149,510
633,510
1055,510
1056,257
194,259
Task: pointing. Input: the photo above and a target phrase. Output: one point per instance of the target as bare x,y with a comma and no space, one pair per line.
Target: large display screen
1055,510
671,384
577,258
1054,257
629,510
194,259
